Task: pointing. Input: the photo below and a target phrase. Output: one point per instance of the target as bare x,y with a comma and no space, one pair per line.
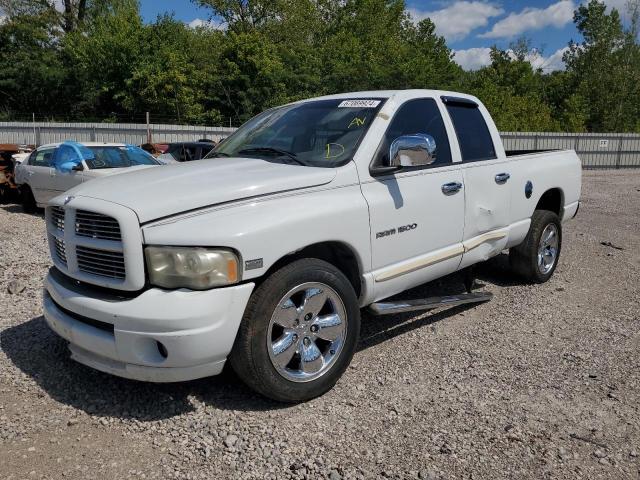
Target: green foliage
605,69
97,59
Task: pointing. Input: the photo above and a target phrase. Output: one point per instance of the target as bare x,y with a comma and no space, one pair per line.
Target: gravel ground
541,382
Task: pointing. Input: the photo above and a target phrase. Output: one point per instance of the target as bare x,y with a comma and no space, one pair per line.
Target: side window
41,158
191,152
205,150
417,116
175,151
472,131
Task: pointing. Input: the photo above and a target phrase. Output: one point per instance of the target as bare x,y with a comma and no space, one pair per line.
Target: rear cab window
471,129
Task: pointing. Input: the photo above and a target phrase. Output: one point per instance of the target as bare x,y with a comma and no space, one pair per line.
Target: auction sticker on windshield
359,104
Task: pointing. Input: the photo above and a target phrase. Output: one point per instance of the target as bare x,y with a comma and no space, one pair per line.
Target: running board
430,303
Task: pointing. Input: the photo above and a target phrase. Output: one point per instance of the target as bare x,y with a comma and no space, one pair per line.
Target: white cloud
556,15
548,64
459,19
210,24
476,58
620,5
472,58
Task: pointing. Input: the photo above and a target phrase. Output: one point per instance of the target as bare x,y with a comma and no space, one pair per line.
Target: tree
512,90
604,68
30,64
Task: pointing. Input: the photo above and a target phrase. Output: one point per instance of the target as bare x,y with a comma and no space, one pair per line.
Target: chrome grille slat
106,255
88,261
57,218
96,225
103,272
99,262
60,250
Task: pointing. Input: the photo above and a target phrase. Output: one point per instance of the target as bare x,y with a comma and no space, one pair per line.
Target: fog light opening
162,350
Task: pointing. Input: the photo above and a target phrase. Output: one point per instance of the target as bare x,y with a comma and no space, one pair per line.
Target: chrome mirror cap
416,150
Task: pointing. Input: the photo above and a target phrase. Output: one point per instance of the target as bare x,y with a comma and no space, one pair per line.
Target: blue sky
470,26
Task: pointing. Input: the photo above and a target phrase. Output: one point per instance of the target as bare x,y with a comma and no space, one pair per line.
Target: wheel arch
337,253
552,200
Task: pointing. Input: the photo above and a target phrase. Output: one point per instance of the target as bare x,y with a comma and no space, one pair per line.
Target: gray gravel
542,382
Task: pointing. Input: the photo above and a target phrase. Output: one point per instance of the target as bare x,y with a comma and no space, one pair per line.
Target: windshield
322,133
119,157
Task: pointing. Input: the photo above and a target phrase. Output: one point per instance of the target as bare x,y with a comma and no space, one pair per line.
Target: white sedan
57,167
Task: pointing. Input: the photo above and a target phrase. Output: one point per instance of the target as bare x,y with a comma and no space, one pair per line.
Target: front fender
264,231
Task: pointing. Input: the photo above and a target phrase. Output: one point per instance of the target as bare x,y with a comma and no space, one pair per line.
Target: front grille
90,247
60,250
96,225
57,218
101,262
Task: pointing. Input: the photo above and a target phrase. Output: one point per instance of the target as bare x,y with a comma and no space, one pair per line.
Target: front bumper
157,336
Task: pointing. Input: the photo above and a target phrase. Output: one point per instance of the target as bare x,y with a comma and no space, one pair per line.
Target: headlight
191,267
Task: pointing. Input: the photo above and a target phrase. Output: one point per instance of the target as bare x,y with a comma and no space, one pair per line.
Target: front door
416,214
63,181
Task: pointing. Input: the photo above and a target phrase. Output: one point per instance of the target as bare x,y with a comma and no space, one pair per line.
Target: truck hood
172,189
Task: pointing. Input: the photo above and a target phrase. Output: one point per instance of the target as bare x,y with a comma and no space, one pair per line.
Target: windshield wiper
277,151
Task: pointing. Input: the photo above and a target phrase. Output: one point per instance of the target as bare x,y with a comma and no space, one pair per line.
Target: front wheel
536,258
299,332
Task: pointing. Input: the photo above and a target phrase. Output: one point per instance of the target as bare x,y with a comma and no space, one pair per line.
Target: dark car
187,151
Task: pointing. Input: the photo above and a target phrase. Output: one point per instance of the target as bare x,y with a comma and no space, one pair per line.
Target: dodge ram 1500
264,253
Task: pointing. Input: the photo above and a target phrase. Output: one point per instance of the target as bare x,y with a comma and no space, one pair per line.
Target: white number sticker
359,104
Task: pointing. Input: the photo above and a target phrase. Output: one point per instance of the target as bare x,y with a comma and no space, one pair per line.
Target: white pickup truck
264,253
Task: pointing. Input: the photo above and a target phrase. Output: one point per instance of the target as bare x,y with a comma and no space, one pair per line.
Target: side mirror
78,168
415,150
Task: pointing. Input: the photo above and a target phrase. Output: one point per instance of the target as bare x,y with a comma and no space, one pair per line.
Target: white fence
597,150
134,133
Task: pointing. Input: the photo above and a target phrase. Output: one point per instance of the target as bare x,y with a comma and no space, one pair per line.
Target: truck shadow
498,272
44,357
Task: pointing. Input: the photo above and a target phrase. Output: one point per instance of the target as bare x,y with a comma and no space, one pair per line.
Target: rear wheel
536,258
299,332
27,199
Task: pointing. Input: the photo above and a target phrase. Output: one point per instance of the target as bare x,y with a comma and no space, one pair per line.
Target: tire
527,260
278,318
27,199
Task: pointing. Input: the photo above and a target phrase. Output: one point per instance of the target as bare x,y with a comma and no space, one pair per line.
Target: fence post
619,156
148,129
92,134
535,142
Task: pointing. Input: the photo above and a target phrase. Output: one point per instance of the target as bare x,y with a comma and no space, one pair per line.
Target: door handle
451,188
502,178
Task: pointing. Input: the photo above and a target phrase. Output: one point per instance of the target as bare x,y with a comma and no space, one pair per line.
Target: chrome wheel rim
548,249
307,332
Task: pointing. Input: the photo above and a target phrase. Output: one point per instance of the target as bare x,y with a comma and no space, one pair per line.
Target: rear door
486,174
39,175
